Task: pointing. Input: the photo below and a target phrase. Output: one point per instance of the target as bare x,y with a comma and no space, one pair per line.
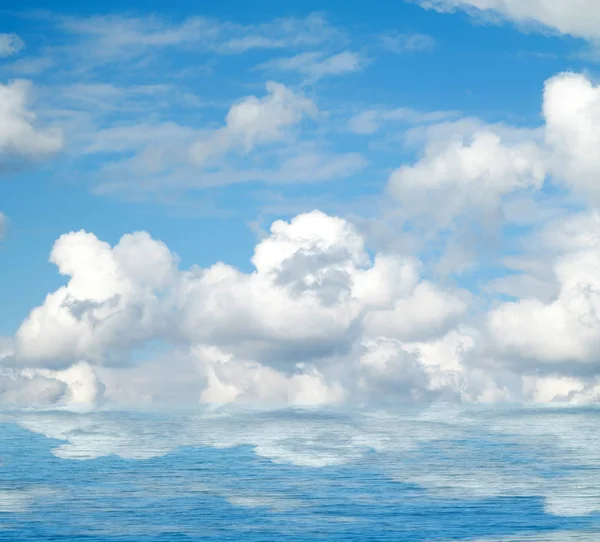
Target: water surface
423,474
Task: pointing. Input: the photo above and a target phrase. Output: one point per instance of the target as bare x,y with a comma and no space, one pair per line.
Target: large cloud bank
578,18
322,318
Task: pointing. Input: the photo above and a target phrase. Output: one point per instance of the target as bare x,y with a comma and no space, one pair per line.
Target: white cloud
366,122
131,138
154,151
27,390
470,171
3,223
471,177
552,328
298,304
279,334
372,120
105,97
578,18
10,44
83,388
77,386
316,65
6,347
546,389
20,138
110,290
572,115
313,289
151,174
391,374
466,173
407,43
261,139
114,37
254,121
230,380
427,313
113,34
564,331
311,164
532,274
30,65
319,319
317,322
572,232
287,32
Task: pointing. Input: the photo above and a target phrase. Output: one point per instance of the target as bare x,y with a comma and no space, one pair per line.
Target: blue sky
463,66
204,124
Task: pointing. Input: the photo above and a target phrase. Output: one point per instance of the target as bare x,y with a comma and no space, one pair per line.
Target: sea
416,473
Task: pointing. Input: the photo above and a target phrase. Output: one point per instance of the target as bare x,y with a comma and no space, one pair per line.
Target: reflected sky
423,474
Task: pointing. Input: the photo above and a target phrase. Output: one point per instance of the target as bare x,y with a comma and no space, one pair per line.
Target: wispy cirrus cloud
372,120
408,43
316,65
114,37
266,138
3,223
10,44
30,66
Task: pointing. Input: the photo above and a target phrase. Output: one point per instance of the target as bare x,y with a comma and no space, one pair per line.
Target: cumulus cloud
10,44
313,290
319,318
112,301
282,333
6,347
296,305
558,329
76,387
20,137
229,380
470,179
543,345
578,18
254,121
82,387
428,312
572,115
19,389
471,171
467,171
565,331
391,374
318,321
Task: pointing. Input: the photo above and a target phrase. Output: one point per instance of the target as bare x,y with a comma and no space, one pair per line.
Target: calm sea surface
437,473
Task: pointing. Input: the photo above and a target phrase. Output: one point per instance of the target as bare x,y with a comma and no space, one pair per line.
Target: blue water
436,473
